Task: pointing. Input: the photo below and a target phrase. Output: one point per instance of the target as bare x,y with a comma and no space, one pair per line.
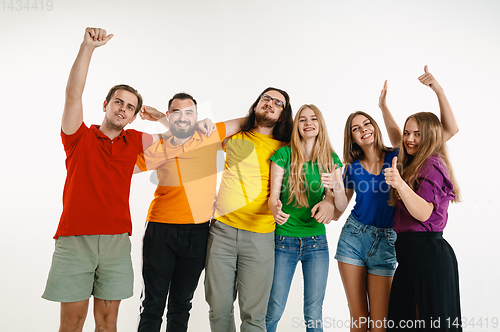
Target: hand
323,212
150,113
331,180
279,216
206,126
96,37
429,80
392,176
383,94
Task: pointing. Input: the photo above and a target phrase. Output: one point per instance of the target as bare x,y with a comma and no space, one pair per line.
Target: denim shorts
368,246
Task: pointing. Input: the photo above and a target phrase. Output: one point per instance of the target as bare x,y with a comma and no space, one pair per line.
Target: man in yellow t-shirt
175,239
240,251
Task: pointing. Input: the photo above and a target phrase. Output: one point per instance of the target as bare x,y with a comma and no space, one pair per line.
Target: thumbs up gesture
279,216
332,180
429,80
392,176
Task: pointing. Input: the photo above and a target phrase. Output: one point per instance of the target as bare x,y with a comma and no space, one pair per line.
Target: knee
106,320
73,316
72,323
221,308
272,316
275,310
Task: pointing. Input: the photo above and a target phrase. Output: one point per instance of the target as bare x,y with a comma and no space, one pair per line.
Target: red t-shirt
97,188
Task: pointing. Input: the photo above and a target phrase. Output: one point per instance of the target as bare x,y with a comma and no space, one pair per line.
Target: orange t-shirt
187,177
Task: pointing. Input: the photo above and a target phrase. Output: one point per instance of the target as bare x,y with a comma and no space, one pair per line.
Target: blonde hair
352,151
431,143
321,154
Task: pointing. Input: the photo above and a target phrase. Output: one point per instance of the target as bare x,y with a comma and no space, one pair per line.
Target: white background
334,54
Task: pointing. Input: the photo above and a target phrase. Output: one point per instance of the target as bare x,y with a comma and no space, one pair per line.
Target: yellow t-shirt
245,188
187,178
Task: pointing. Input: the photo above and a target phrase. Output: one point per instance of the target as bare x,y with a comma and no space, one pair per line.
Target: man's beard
184,133
263,120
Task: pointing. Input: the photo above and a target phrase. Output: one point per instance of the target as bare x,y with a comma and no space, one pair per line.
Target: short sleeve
282,157
434,184
152,157
147,140
336,160
221,130
70,141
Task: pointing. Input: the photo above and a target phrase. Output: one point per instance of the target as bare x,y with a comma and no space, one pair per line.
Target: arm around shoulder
234,126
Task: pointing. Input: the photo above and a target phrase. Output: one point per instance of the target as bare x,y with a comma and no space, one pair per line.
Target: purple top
433,185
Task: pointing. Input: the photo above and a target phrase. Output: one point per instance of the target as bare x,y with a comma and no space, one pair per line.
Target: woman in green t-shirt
301,207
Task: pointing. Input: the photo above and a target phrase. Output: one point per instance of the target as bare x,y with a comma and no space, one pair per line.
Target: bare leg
73,315
354,279
379,289
105,315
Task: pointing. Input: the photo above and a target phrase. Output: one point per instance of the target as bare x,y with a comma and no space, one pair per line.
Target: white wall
335,54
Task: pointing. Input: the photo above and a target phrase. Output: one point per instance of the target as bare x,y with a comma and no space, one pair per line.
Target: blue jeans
313,253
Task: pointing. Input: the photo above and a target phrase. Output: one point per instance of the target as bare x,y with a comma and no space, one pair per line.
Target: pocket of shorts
351,229
391,238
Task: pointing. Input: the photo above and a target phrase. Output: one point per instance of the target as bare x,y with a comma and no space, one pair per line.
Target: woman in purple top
425,290
365,251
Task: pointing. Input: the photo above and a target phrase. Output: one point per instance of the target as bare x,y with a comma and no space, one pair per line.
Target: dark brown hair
353,151
283,129
181,96
129,89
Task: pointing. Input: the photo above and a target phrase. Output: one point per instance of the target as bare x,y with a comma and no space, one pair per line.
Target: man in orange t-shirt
175,240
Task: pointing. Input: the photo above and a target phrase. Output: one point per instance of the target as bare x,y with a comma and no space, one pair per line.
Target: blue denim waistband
368,228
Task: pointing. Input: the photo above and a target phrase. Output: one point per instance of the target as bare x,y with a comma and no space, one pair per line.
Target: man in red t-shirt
92,254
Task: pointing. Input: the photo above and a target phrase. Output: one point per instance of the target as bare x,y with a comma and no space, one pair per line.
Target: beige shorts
85,265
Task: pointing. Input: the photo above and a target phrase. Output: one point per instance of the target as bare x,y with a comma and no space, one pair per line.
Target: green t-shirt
300,223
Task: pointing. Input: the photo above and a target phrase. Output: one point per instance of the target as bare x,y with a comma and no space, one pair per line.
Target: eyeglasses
276,101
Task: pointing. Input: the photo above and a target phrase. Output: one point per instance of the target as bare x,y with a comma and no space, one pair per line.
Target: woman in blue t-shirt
365,251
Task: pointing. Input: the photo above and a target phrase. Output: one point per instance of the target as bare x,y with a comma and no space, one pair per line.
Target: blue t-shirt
372,193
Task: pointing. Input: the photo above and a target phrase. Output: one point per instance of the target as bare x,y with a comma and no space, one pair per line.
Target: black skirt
425,292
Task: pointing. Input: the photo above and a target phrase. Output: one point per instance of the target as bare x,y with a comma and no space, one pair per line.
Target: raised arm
73,110
447,116
391,126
